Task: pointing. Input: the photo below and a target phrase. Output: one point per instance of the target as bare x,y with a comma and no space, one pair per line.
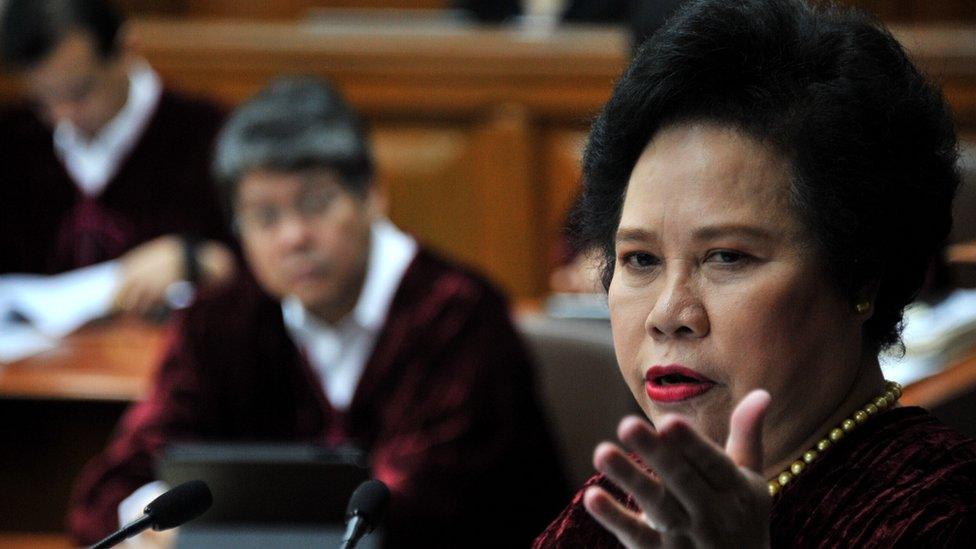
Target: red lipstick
674,383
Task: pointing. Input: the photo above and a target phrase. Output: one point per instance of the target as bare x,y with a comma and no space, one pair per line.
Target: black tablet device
268,484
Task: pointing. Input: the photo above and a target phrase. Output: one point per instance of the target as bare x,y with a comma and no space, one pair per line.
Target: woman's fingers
702,494
680,477
623,523
660,506
744,445
710,460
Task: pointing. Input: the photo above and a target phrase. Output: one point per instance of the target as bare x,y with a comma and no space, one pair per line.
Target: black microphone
366,507
181,504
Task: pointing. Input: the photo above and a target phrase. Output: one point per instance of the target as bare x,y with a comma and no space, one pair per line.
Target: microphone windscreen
181,504
369,499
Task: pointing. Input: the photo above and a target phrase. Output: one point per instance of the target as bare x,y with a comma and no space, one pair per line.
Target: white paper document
934,337
18,341
58,305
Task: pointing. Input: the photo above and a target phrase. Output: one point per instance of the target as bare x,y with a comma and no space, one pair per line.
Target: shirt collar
390,253
145,90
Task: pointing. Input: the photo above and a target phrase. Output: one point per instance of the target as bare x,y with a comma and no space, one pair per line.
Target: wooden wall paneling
135,8
457,72
962,98
264,9
947,55
509,192
258,9
562,149
472,192
889,10
918,11
945,11
424,172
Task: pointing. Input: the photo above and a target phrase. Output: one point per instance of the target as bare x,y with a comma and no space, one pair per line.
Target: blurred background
479,109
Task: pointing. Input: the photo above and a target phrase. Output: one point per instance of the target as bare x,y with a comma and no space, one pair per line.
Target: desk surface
106,361
34,541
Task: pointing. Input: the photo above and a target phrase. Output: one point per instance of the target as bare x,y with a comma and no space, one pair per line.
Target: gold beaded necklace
889,396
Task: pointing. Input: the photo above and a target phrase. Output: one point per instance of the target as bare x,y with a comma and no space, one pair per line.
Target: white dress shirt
92,163
339,353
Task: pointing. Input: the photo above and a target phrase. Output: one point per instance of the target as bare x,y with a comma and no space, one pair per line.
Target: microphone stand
129,530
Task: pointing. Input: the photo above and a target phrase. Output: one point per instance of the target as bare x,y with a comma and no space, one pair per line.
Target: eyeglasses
311,205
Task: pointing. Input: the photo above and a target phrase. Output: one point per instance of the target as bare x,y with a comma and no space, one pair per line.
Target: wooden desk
34,541
107,362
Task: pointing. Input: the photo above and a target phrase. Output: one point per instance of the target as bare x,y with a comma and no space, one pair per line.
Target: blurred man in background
105,163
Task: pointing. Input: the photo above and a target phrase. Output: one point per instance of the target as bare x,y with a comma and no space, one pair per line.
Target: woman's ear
865,298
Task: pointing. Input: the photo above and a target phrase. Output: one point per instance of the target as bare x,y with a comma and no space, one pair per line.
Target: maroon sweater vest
163,186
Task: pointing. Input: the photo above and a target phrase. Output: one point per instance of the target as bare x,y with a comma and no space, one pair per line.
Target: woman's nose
678,310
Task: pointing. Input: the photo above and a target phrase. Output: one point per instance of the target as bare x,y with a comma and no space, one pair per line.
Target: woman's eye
640,260
726,257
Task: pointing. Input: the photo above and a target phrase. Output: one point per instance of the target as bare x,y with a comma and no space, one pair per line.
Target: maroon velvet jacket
446,409
48,226
901,480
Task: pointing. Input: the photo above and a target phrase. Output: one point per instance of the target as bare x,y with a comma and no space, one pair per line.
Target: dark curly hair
871,141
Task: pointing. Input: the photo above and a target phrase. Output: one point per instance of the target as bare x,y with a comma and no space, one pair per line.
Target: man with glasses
348,332
104,163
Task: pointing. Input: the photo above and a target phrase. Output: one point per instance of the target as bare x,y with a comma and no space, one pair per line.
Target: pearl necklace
888,397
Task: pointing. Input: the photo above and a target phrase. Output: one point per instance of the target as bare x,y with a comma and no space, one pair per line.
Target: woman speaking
768,184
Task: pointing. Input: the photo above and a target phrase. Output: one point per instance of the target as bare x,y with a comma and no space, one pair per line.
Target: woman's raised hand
703,496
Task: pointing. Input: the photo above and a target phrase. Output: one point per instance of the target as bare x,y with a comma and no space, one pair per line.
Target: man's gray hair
294,124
